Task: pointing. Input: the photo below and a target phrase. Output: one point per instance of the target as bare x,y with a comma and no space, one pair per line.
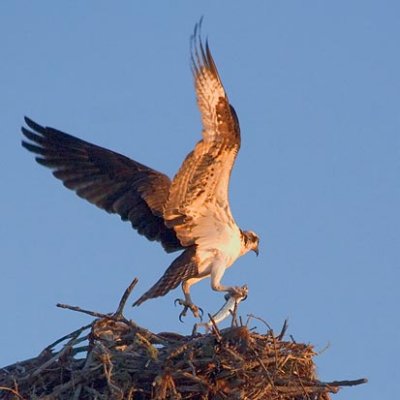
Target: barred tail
181,269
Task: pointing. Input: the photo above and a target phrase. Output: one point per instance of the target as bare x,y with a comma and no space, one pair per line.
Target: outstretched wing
198,206
107,179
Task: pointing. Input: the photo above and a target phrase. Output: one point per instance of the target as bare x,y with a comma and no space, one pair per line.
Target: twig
260,361
14,392
275,350
58,355
233,313
124,298
260,319
152,336
57,390
106,359
283,330
78,309
78,390
216,330
301,383
80,349
195,378
116,315
346,383
70,335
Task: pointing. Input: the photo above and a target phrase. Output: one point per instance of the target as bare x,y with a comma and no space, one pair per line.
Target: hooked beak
256,251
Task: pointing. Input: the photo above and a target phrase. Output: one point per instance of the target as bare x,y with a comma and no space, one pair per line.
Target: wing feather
198,203
107,179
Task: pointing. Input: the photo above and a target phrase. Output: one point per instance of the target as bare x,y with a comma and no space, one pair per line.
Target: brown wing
107,179
198,205
181,269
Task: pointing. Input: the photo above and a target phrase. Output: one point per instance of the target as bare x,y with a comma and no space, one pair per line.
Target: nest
114,358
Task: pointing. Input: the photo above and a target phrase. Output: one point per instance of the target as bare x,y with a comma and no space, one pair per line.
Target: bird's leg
217,272
187,302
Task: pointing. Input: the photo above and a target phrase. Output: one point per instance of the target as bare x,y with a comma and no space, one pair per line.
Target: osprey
189,213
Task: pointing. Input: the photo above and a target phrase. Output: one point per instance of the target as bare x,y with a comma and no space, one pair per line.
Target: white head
250,241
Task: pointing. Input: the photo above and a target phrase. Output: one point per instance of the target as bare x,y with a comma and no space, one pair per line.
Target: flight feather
198,205
107,179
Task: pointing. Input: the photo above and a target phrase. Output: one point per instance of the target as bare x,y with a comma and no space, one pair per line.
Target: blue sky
317,90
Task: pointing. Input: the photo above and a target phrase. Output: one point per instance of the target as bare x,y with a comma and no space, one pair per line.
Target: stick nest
114,358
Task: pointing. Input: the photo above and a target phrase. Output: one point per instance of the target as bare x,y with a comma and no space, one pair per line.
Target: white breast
226,246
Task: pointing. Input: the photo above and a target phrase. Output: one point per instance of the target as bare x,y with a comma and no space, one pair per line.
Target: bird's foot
238,291
197,311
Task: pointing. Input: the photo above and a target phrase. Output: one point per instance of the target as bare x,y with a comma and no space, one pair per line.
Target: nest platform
114,358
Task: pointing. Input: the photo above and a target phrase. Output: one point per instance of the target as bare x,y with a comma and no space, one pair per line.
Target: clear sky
317,90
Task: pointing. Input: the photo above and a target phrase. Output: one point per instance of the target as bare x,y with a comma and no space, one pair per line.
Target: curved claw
201,313
177,301
186,306
182,314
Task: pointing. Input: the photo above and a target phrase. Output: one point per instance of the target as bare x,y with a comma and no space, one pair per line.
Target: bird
190,213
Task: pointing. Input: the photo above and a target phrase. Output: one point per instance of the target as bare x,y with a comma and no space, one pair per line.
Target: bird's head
250,241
